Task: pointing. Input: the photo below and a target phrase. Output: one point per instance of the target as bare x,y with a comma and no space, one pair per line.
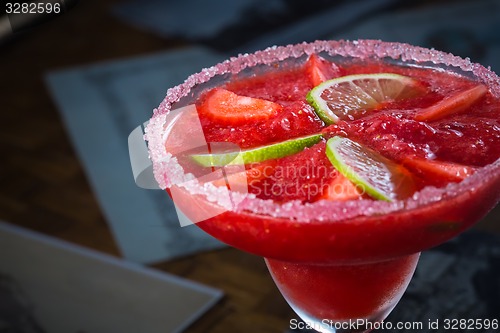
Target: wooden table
43,186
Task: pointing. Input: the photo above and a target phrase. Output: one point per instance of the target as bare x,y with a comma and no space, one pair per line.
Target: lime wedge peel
343,97
376,175
259,154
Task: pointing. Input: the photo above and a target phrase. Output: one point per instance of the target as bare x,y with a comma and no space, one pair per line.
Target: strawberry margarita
343,160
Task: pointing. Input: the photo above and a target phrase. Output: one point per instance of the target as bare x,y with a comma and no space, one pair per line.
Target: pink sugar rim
167,171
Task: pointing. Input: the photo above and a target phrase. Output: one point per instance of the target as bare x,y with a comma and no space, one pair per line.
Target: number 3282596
470,324
32,8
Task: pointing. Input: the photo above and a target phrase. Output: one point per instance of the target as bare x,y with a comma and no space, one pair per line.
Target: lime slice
378,176
259,154
347,97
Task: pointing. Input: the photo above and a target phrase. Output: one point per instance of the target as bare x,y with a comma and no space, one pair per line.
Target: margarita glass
341,265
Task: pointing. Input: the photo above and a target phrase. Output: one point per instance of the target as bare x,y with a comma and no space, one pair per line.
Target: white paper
58,287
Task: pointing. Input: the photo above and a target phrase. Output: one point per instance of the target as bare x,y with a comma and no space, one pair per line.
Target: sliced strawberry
447,171
259,171
239,181
226,107
320,70
453,104
341,189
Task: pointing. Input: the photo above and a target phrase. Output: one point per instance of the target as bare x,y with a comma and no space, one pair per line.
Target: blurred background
74,87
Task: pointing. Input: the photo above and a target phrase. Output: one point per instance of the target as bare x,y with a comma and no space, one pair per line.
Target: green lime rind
350,94
259,154
362,166
324,113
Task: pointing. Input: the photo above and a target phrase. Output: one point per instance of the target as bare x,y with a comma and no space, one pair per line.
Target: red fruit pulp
471,138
